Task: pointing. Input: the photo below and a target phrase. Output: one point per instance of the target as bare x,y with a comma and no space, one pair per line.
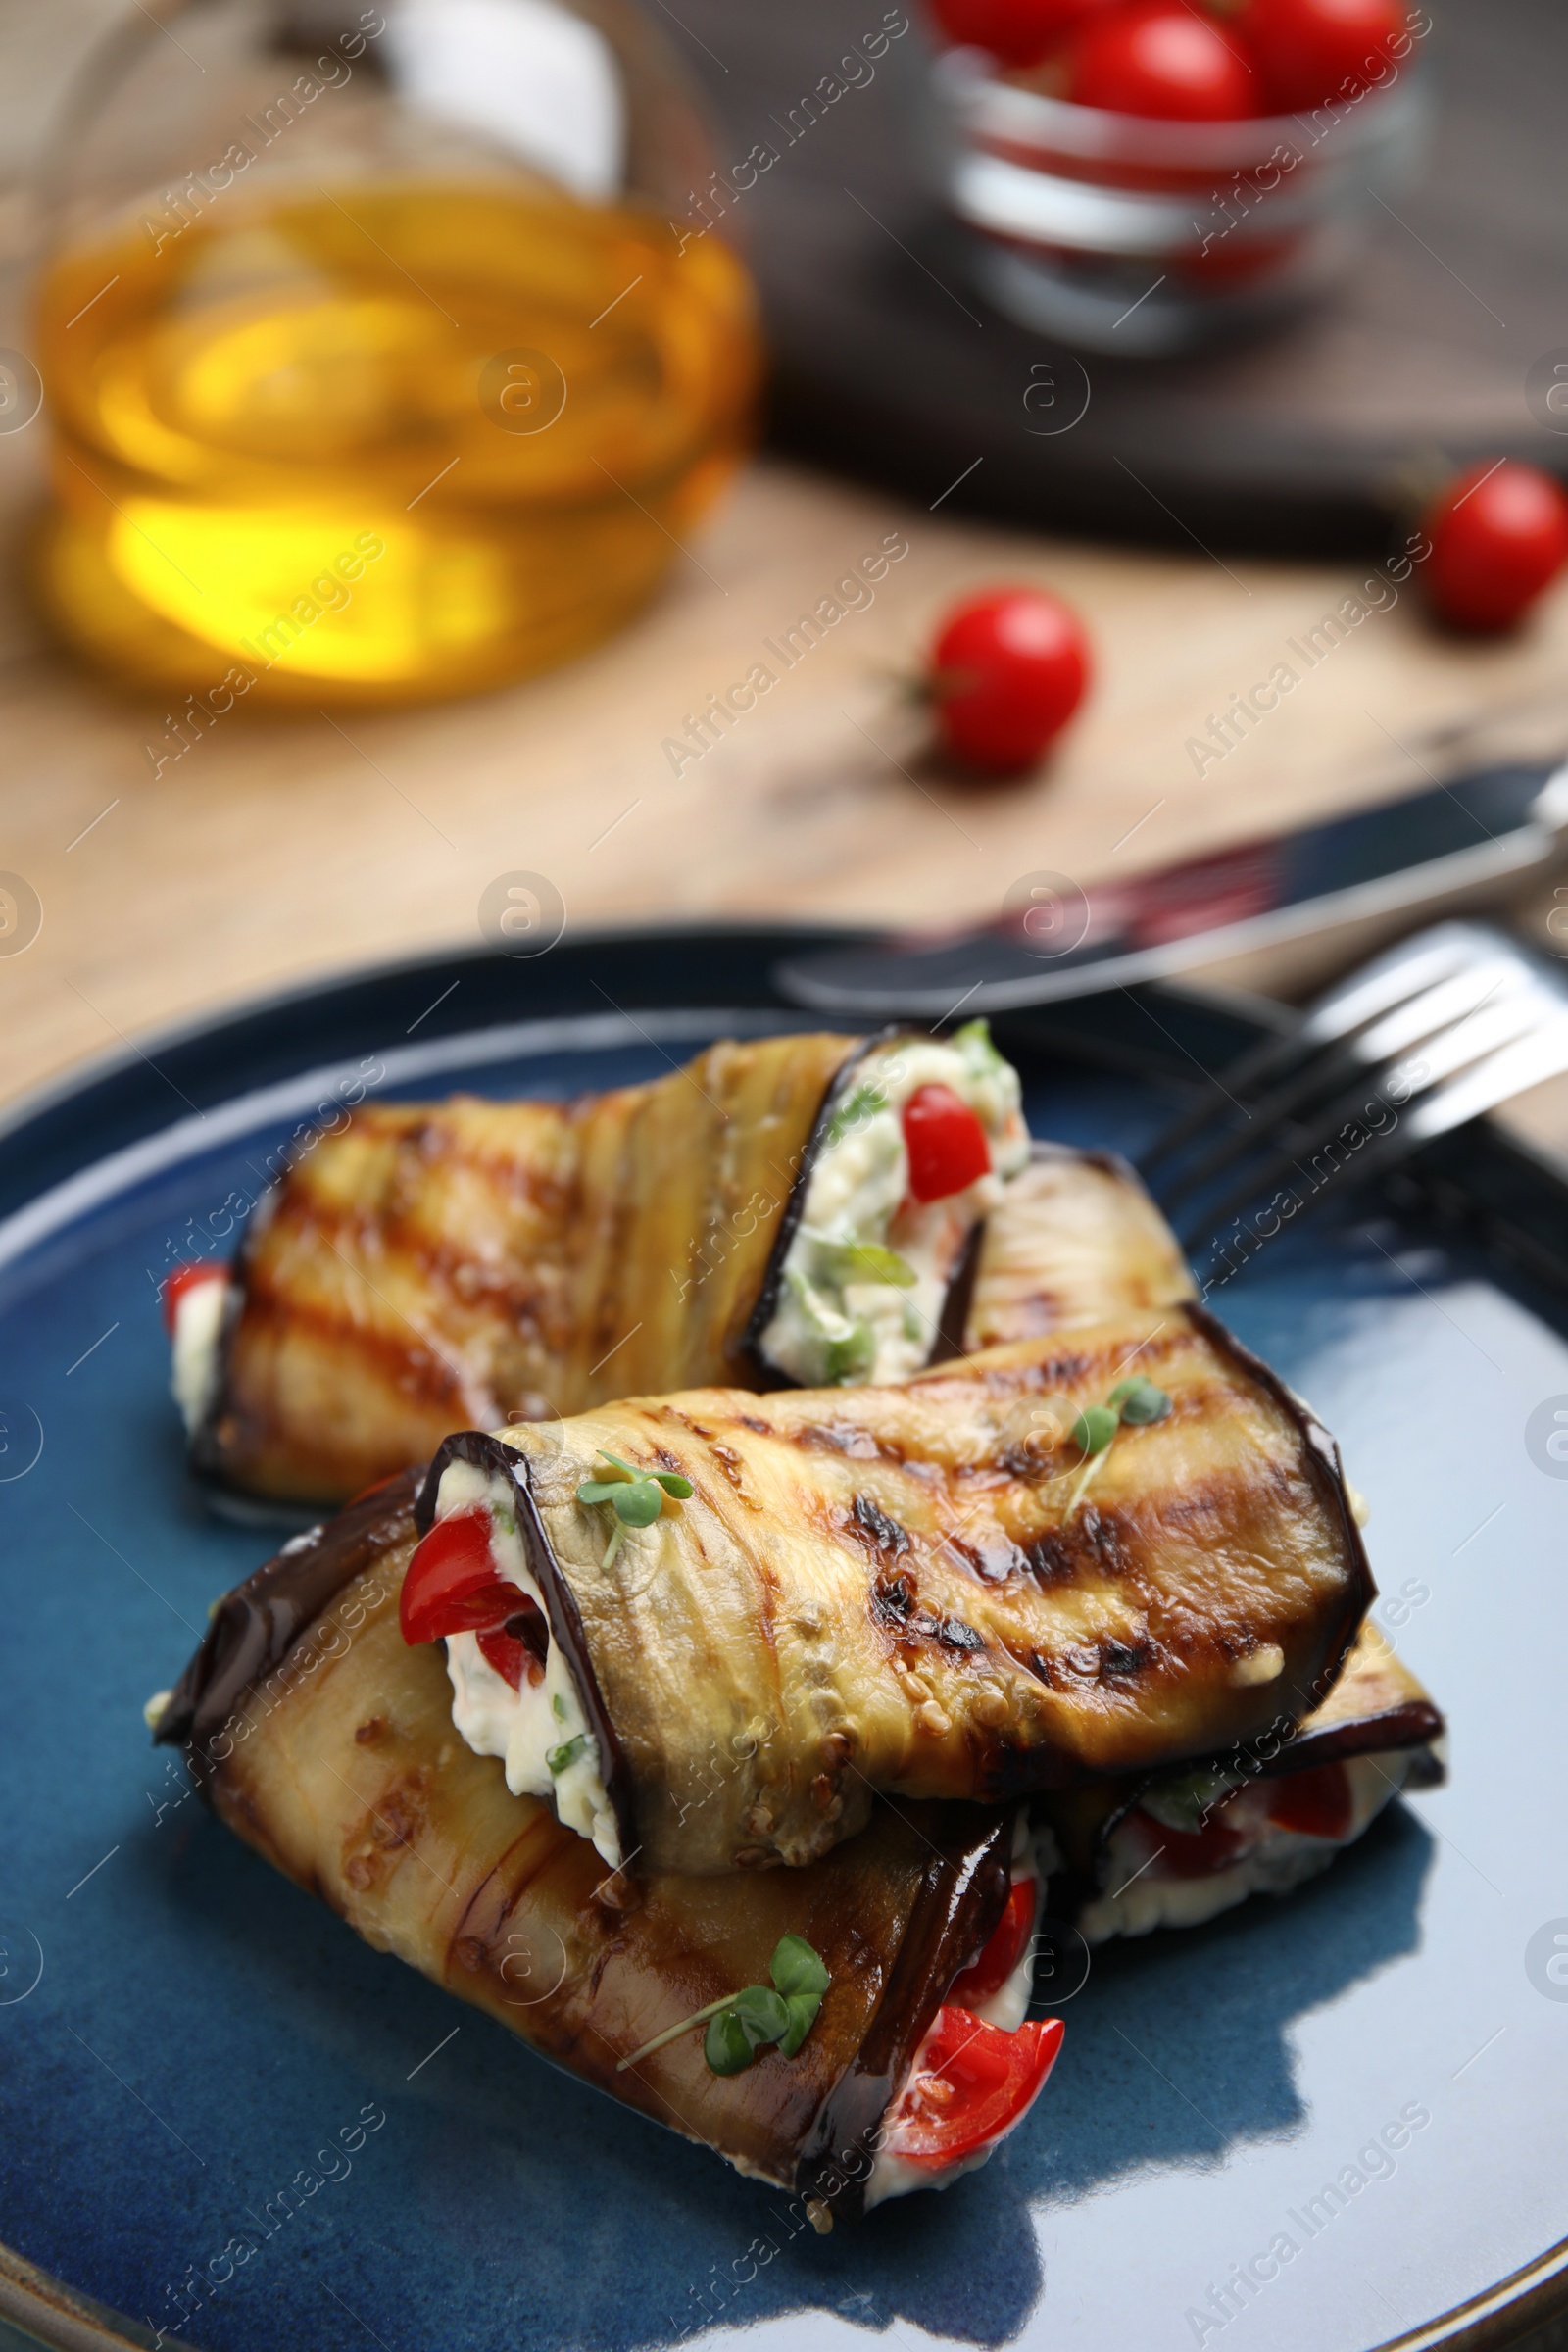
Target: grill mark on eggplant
847,1438
873,1523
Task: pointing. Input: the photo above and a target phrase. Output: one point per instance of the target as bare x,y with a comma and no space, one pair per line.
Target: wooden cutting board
890,363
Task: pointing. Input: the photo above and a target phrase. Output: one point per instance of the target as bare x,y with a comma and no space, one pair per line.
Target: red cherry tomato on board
1163,62
1017,32
974,2084
1313,51
947,1145
184,1279
1499,536
1002,1954
1008,671
451,1586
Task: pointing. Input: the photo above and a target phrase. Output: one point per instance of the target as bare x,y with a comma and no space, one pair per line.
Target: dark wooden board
889,365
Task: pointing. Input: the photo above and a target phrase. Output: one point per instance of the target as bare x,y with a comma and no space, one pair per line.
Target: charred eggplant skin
964,1891
257,1627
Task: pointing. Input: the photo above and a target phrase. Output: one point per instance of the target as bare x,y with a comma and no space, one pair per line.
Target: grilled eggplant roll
974,1585
788,1208
1180,1847
326,1744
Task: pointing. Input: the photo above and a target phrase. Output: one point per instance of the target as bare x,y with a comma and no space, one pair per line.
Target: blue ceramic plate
181,2032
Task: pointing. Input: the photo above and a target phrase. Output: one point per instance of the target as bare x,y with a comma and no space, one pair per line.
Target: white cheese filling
1140,1900
198,1327
848,1313
539,1732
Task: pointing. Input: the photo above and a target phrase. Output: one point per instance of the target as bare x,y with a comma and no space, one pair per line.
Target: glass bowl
1144,238
384,358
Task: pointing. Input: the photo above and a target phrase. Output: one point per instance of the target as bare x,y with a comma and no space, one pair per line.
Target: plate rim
50,2312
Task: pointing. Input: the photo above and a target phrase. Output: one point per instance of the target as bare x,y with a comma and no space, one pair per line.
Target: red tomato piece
1166,63
1313,51
451,1586
1499,536
1316,1802
187,1278
975,2085
1017,32
1002,1953
517,1649
1008,671
947,1145
1191,1853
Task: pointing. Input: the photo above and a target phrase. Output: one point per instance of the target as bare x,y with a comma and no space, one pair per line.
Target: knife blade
1056,940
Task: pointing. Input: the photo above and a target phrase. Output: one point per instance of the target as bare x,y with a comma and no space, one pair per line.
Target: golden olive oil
400,441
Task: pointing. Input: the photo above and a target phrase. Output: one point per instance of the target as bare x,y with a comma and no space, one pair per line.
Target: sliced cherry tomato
1163,62
187,1278
1006,672
451,1586
1316,1802
1017,32
1499,536
974,2084
1313,51
1191,1853
946,1143
518,1649
1008,1940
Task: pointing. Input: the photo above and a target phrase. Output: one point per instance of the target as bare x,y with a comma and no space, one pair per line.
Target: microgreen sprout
1137,1402
637,1497
740,2024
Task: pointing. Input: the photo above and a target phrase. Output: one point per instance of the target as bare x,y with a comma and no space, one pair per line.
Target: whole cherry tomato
1164,60
946,1144
1008,671
1311,51
1017,32
1499,536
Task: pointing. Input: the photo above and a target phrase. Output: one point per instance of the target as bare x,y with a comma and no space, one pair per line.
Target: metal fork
1448,1025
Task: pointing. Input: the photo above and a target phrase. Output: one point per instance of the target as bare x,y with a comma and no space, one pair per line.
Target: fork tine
1470,1068
1390,980
1263,1116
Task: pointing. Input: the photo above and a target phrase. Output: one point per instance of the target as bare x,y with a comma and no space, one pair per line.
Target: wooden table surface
279,848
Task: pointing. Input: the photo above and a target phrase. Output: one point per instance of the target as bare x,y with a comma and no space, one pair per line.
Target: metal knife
1460,841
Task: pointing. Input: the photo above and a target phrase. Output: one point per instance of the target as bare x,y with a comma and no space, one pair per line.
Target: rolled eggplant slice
742,1220
325,1742
926,1592
1180,1847
1075,1239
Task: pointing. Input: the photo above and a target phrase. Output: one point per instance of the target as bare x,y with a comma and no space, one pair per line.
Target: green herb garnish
562,1758
740,2024
859,1108
870,1261
973,1041
1137,1402
637,1497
